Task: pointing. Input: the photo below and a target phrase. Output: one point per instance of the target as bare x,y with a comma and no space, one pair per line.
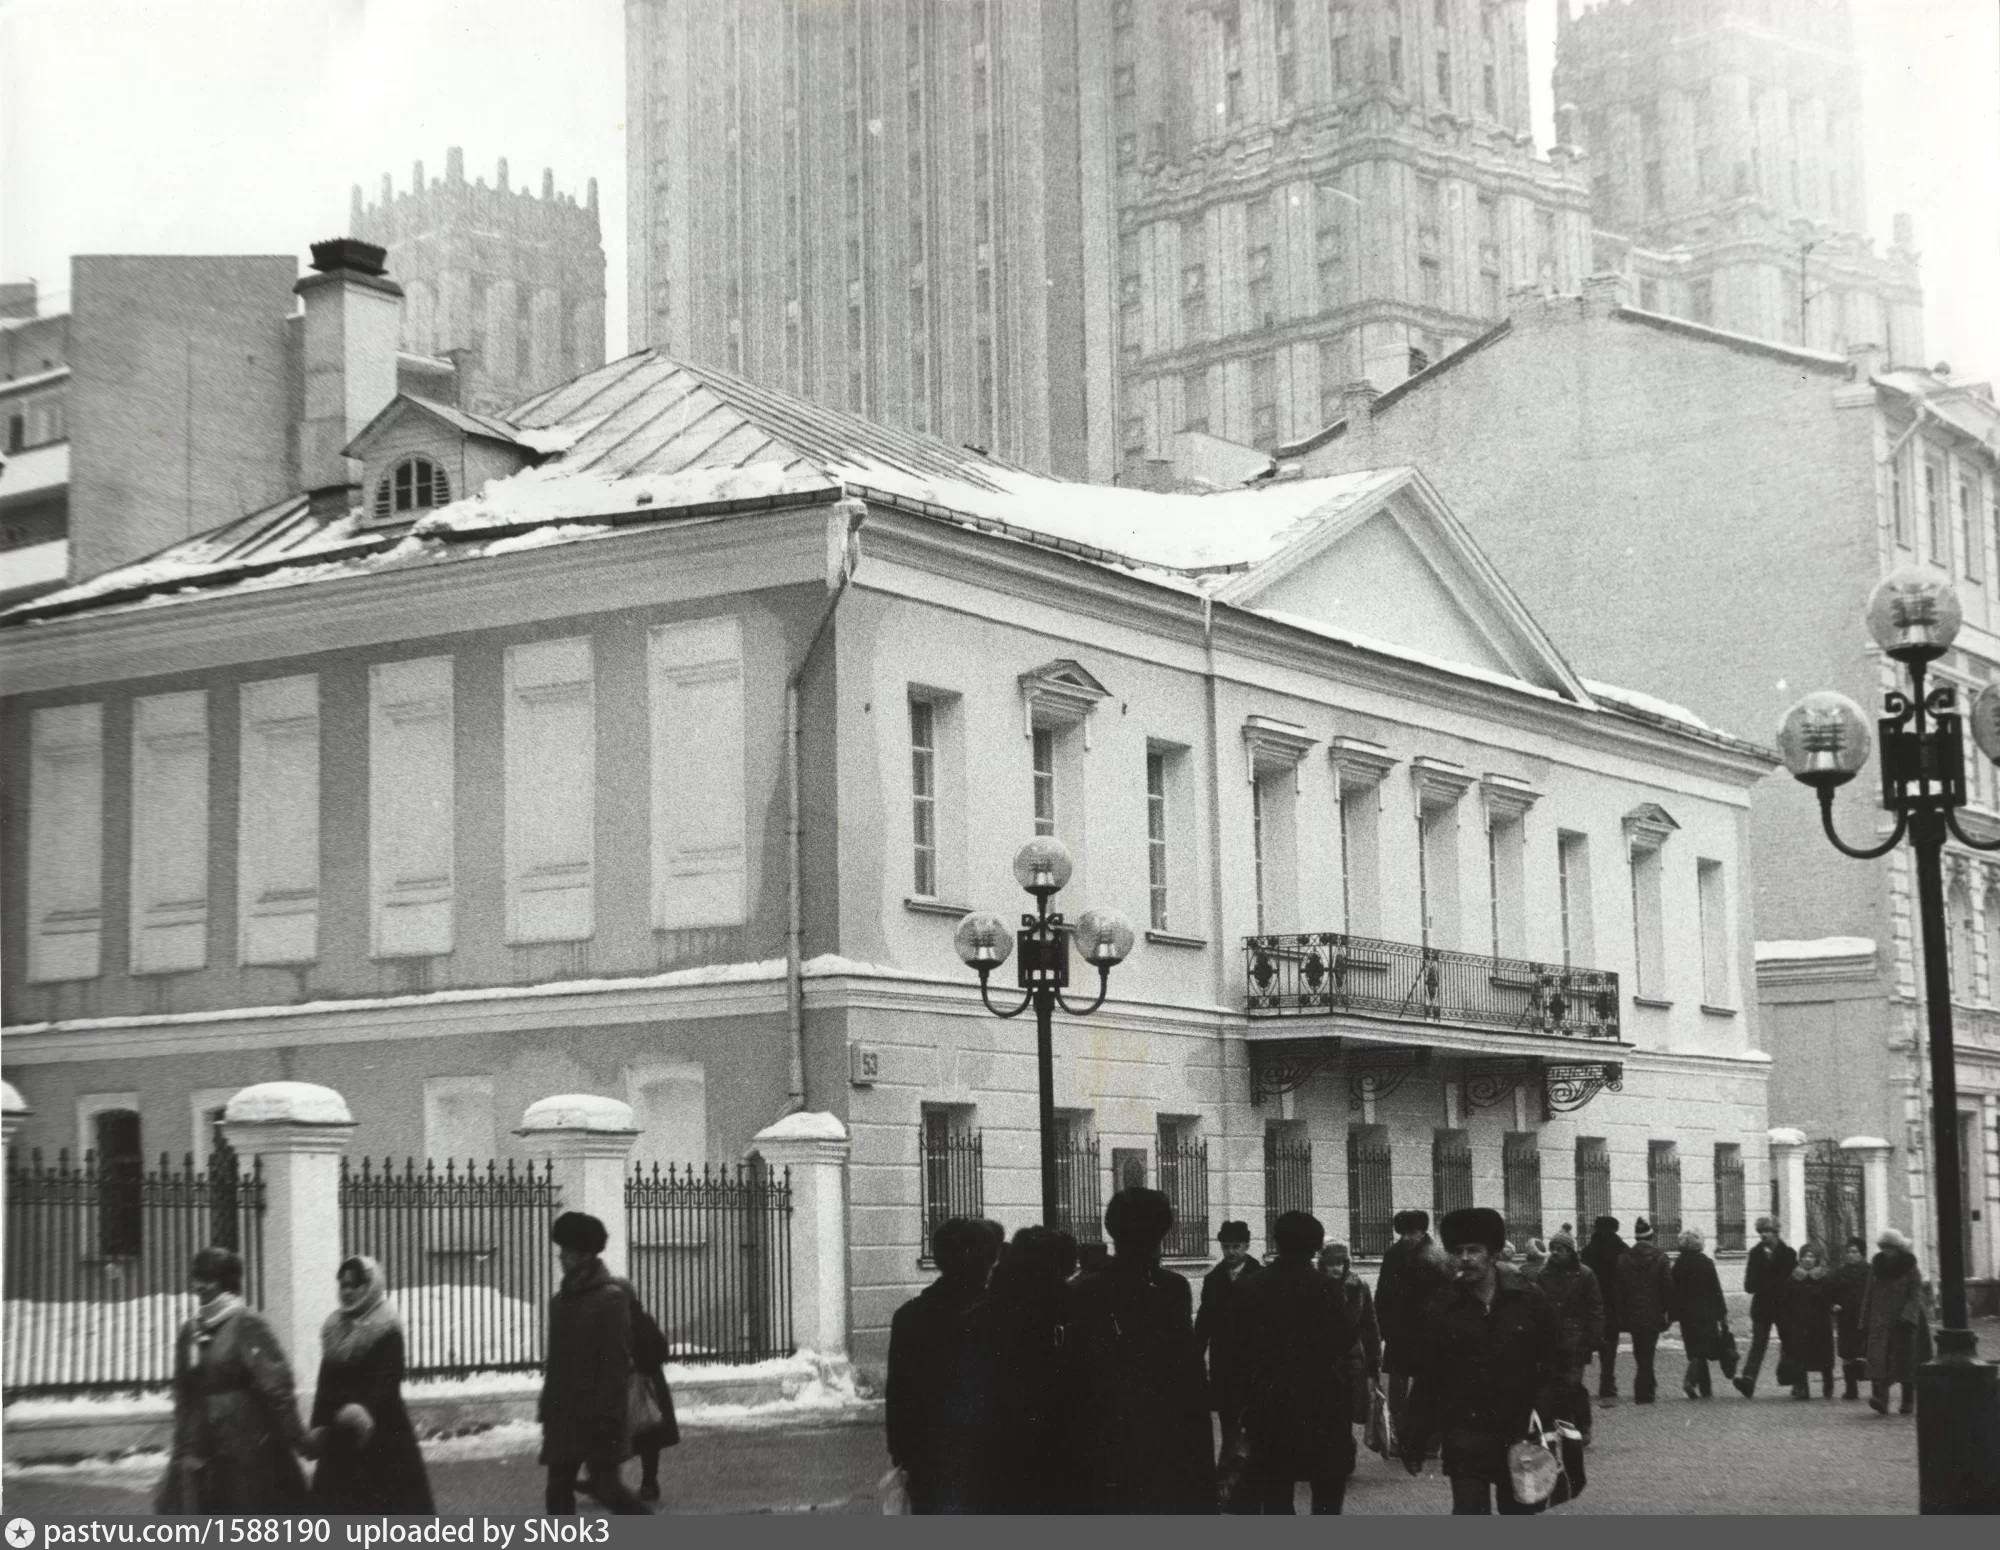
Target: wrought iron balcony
1313,973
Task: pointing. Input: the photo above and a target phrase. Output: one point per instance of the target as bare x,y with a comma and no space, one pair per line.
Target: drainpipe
1220,981
843,540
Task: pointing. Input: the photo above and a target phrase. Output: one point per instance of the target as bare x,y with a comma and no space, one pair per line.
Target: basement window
413,485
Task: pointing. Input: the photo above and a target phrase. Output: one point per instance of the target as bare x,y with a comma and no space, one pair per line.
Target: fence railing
953,1180
1521,1188
98,1259
1184,1181
1731,1228
1451,1172
1593,1183
1302,974
1080,1189
1663,1192
711,1256
1370,1208
467,1256
1288,1179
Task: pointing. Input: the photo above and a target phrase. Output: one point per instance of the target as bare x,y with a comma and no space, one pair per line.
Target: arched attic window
413,485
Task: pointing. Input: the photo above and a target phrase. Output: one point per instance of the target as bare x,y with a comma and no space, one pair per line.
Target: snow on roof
1633,699
1369,643
1818,947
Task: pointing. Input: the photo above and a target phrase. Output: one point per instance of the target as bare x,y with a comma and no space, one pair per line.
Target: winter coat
1481,1372
1027,1466
1805,1327
650,1354
1893,1319
1215,1331
1848,1285
1700,1306
935,1396
1301,1357
1361,1314
1136,1406
384,1474
236,1421
1412,1276
587,1370
1645,1289
1602,1254
1765,1273
1572,1290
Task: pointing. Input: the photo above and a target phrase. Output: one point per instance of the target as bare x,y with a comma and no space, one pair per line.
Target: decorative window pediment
1360,762
1059,693
1647,827
1271,747
1439,782
1507,797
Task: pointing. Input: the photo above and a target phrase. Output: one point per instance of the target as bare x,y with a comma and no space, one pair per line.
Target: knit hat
1565,1238
1234,1232
1474,1224
1642,1228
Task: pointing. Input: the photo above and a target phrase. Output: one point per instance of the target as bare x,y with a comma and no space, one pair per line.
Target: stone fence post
1873,1153
297,1132
589,1139
14,1112
814,1147
1788,1167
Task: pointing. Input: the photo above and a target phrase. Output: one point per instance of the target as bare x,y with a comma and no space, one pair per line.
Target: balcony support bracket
1379,1073
1284,1068
1567,1088
1490,1083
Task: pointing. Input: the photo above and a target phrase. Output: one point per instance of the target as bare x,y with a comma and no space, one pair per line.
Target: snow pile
1666,710
94,1342
554,493
449,1325
546,537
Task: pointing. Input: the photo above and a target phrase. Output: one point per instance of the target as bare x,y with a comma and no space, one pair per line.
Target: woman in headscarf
1805,1325
369,1461
1703,1312
236,1420
1893,1321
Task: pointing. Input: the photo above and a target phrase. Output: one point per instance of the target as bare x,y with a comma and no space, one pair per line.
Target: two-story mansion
665,766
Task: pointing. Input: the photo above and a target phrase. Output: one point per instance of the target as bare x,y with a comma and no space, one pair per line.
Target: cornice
1368,762
1273,745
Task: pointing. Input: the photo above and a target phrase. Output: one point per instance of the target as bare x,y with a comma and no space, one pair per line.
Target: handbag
1726,1352
642,1411
1381,1430
1569,1452
894,1490
1532,1469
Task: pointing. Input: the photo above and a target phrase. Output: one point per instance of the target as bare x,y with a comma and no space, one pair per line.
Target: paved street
1772,1455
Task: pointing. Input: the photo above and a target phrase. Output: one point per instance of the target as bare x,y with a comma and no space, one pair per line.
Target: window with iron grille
1521,1177
413,485
952,1172
1184,1181
1593,1181
1451,1171
1288,1173
1370,1211
1729,1207
1663,1189
1079,1183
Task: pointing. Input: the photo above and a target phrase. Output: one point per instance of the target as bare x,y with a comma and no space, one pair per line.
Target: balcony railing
1306,974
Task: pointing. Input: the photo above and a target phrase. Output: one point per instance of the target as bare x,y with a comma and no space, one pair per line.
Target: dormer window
414,485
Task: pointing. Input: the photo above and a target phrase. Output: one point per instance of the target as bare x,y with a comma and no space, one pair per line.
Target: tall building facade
508,285
1724,141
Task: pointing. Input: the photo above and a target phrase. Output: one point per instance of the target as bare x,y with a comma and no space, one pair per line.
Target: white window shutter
169,832
66,843
277,849
551,738
411,770
699,855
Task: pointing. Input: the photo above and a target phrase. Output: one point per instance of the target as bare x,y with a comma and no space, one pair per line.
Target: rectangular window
1288,1172
1284,41
1521,1185
1573,899
1194,401
669,1102
700,854
1430,205
1506,869
1729,1212
277,833
1714,934
1971,537
1663,1189
953,1170
1593,1181
1437,875
1264,401
1340,23
1184,1181
169,832
1370,1191
411,779
1431,277
1331,256
1079,1183
1395,61
1451,1172
1334,374
1044,753
1491,91
1156,838
1274,843
66,843
1649,946
1360,859
1444,77
923,798
551,772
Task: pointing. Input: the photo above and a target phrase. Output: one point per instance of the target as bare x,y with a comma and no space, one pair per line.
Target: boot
1909,1404
649,1489
1853,1386
1801,1391
1826,1385
1746,1387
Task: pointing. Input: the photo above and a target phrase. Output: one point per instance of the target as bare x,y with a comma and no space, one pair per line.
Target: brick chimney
353,319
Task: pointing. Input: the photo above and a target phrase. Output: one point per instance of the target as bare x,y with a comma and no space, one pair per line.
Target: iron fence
711,1256
1079,1189
1370,1208
1451,1172
98,1259
1836,1207
1288,1179
1306,973
1593,1182
1663,1191
466,1254
1730,1225
1521,1182
954,1179
1184,1181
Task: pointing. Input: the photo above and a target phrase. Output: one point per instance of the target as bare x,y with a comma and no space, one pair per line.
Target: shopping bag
1531,1468
1727,1353
1381,1432
1566,1442
894,1490
642,1412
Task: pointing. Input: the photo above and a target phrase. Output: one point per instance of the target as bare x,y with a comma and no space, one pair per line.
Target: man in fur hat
1489,1356
584,1380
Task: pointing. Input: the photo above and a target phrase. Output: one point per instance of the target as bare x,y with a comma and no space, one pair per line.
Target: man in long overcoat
1601,1254
1645,1301
1413,1273
1490,1356
934,1409
586,1374
1301,1355
1766,1271
1215,1325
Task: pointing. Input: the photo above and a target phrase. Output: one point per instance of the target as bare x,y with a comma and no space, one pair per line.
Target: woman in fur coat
361,1434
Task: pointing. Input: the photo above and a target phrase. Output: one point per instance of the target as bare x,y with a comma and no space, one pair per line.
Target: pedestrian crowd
238,1440
1029,1378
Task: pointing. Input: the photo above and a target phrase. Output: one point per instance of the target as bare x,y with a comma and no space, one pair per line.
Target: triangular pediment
1065,674
1398,572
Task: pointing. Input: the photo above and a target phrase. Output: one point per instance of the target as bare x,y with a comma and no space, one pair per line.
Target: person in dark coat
938,1366
1601,1255
1572,1290
1645,1301
1301,1354
1413,1273
1894,1322
236,1417
1489,1356
650,1354
1137,1404
1703,1313
1849,1285
369,1461
1805,1326
1765,1272
1027,1466
1337,1265
1214,1327
586,1373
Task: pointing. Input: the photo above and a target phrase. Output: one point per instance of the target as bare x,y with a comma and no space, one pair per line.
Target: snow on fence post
297,1130
814,1148
14,1111
1788,1167
588,1140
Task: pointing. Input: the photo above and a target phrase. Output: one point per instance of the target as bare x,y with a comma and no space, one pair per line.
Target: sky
239,126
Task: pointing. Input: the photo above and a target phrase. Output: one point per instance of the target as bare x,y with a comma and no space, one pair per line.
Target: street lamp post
1824,742
1102,936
